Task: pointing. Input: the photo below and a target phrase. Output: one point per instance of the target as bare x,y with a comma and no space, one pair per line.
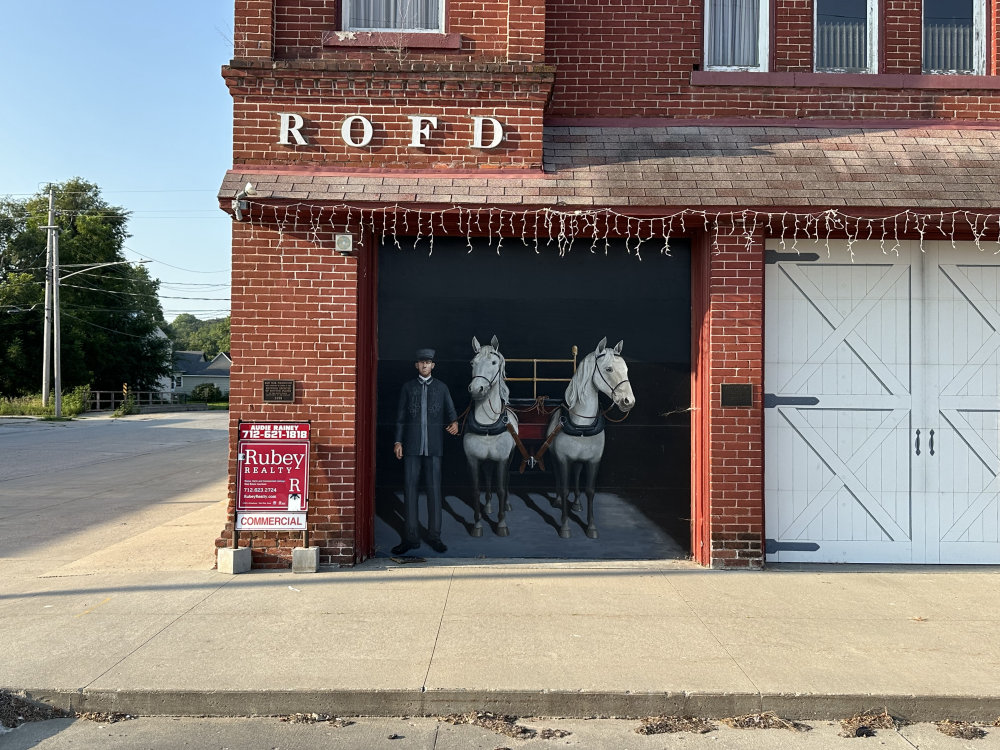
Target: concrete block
305,559
234,561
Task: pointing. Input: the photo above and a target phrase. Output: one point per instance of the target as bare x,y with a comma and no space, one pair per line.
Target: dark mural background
540,305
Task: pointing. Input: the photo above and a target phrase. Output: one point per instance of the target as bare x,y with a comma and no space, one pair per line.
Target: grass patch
73,403
127,407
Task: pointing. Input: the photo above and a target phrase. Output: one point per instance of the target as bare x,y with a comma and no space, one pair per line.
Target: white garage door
882,404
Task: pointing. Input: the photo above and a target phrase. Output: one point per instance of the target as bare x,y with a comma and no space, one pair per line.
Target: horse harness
501,425
565,425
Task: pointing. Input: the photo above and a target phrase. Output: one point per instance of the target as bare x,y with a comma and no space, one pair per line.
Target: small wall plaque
279,391
737,395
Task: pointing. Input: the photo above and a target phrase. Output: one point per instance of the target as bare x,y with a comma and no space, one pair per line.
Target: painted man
424,405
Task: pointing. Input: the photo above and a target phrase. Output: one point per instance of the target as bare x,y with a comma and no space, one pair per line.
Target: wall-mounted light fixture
240,204
344,243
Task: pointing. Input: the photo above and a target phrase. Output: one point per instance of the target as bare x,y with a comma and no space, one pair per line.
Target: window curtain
841,44
395,14
732,38
948,47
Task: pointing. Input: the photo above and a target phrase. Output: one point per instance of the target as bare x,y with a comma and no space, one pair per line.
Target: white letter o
367,131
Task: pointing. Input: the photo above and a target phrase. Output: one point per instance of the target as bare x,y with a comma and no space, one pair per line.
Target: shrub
128,407
206,392
73,403
76,401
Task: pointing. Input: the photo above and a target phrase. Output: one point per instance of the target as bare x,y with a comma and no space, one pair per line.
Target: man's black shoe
437,545
403,547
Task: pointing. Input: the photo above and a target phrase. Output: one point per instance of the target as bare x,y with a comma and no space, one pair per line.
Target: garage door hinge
773,545
771,400
773,256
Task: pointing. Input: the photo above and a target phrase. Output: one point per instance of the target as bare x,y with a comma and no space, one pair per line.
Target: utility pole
51,335
47,330
56,343
56,339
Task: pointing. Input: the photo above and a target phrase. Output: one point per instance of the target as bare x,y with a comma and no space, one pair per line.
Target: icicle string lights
540,228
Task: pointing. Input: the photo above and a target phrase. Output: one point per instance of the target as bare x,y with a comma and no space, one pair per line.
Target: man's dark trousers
431,467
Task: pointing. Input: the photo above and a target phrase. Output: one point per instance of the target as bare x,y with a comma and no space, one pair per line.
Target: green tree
191,334
108,316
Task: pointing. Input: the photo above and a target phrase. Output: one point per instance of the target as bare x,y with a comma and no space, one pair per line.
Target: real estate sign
273,481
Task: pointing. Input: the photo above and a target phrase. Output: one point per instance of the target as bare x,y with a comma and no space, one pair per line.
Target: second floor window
393,15
736,34
953,38
845,36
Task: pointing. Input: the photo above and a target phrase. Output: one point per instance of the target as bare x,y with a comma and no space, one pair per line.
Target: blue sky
128,94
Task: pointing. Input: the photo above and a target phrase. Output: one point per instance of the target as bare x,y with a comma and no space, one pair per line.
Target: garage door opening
539,306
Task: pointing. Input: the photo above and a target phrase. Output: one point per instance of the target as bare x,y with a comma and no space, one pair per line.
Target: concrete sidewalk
545,638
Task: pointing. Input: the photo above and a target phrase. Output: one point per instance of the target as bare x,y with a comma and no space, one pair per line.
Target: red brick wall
253,29
612,58
736,435
526,30
295,301
495,30
294,317
636,59
621,58
793,30
515,96
902,36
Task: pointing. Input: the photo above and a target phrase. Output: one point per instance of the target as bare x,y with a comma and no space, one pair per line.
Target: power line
217,285
130,214
200,311
144,294
177,268
84,308
104,328
213,191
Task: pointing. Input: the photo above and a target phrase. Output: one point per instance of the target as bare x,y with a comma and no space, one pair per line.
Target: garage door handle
916,443
930,442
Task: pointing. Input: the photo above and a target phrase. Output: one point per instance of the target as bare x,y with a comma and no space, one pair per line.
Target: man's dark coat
440,413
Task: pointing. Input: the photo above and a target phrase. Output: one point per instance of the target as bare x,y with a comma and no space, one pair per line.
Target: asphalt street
77,496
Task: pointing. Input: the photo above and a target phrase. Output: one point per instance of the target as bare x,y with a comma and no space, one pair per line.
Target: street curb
801,706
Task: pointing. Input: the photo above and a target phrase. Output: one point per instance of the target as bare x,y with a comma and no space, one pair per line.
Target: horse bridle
491,381
610,388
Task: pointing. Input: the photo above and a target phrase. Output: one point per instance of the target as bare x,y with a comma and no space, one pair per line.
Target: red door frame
366,377
367,374
701,356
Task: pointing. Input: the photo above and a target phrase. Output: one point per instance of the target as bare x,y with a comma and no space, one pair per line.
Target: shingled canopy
692,166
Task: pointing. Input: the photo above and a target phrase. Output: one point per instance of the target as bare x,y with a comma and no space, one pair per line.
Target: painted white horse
488,440
578,426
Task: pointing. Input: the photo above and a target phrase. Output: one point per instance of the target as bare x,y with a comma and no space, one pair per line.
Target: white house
192,369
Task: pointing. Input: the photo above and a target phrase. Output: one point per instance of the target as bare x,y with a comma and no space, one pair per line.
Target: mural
556,458
576,430
425,412
490,432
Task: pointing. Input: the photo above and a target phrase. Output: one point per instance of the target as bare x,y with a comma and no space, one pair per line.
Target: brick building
786,208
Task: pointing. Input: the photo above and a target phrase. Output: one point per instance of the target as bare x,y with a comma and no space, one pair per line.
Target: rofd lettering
357,131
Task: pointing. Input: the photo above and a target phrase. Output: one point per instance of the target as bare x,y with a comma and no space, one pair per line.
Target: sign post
272,486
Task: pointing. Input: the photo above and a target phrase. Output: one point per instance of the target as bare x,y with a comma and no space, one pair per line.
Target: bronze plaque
279,391
737,395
